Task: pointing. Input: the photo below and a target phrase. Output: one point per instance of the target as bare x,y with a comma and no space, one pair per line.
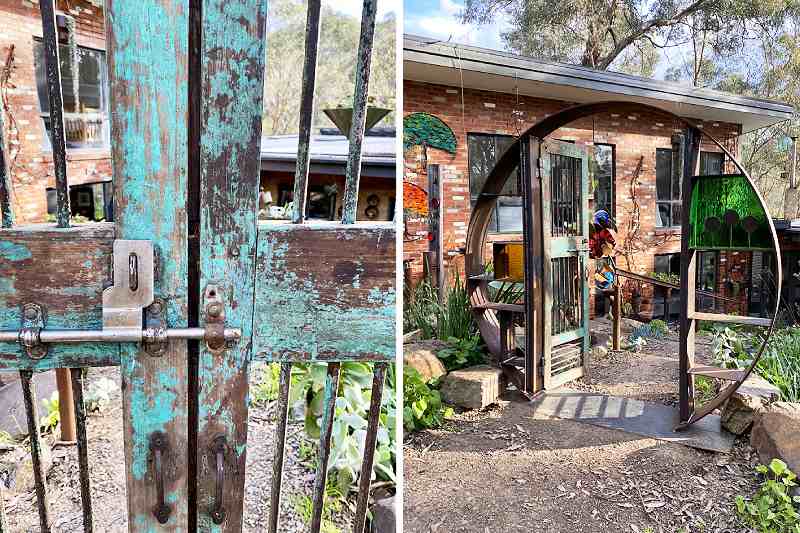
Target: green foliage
6,438
422,404
339,36
424,129
350,420
421,310
304,507
647,331
772,509
780,364
462,353
659,327
666,277
49,421
704,389
507,293
268,385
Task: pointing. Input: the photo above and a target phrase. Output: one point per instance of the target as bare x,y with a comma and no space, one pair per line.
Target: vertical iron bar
285,381
350,202
83,448
306,112
326,428
40,480
6,214
52,68
369,446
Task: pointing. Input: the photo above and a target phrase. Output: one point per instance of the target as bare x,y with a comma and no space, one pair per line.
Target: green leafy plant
773,509
267,387
422,404
462,353
304,507
704,389
659,327
453,318
667,277
507,293
49,421
420,309
350,420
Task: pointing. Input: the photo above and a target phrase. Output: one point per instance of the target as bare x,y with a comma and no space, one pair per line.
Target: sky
438,18
353,7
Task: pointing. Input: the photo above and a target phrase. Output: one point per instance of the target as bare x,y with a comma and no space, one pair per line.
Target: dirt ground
106,458
501,470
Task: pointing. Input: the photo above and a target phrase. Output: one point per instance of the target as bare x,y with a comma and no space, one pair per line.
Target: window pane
661,263
509,214
711,163
663,219
676,214
91,80
603,166
663,174
481,155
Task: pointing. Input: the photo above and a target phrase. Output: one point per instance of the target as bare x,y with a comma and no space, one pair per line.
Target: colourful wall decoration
424,129
415,201
725,213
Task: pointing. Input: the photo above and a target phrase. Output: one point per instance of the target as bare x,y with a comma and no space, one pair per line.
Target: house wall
636,138
30,165
383,188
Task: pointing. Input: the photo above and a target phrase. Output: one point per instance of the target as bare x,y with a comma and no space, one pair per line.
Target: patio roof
434,61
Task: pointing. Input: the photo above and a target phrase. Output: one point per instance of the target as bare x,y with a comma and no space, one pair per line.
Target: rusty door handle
218,447
158,446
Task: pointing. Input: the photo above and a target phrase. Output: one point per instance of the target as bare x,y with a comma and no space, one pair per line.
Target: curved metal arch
509,161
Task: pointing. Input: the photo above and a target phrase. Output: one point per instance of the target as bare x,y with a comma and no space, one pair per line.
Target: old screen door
565,255
185,288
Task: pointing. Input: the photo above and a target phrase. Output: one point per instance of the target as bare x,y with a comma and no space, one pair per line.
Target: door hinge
125,304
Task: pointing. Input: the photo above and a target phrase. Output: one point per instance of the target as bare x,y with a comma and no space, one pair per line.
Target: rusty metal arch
479,221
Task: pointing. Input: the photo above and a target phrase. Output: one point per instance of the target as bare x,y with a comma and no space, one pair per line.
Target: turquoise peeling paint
12,251
291,317
150,411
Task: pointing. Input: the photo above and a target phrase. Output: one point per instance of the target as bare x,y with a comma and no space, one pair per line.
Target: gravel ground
502,470
106,458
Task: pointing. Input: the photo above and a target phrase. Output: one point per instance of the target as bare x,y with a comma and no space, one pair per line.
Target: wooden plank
532,259
498,306
232,57
65,271
732,319
546,278
54,99
148,49
688,157
728,374
325,292
583,261
356,138
306,111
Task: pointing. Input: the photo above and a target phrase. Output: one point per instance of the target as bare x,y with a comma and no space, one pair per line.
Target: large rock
421,356
384,515
776,434
474,387
744,405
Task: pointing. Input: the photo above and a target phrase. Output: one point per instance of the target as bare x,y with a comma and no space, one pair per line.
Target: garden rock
421,356
384,515
776,434
744,405
16,468
474,387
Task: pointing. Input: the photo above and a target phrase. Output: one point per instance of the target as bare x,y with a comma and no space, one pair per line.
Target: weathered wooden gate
185,288
564,227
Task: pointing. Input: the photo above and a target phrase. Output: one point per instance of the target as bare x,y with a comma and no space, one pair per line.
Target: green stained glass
725,214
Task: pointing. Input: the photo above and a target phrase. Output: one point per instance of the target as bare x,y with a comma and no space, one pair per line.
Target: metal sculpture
701,228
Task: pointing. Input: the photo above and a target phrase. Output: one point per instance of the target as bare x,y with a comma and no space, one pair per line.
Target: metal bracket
215,320
132,291
155,336
33,320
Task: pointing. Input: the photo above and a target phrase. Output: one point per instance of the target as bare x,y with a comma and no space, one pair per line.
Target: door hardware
218,447
158,446
124,304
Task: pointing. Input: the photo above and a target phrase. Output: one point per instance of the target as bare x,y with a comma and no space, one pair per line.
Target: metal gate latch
124,305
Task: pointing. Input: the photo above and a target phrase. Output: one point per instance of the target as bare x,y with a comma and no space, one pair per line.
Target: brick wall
636,138
30,165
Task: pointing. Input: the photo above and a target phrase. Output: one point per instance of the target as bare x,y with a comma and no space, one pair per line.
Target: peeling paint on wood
232,81
65,271
148,72
325,292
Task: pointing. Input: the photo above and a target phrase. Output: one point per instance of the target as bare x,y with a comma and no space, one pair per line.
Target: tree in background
747,47
336,63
